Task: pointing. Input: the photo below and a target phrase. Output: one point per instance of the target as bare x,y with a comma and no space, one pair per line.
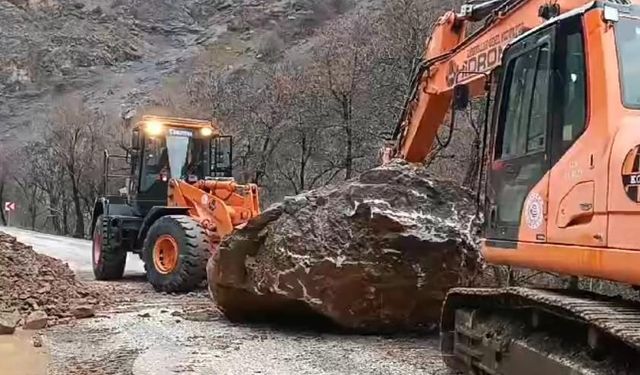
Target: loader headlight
206,132
154,128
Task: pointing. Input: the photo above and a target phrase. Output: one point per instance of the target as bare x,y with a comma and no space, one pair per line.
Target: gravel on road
149,333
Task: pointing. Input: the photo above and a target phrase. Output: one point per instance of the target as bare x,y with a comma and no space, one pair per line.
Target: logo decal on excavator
534,211
631,174
482,57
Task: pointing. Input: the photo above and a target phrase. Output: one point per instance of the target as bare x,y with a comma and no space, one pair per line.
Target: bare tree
75,136
31,193
49,179
303,158
5,173
343,59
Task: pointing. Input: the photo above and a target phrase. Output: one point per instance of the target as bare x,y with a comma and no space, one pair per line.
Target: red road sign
9,206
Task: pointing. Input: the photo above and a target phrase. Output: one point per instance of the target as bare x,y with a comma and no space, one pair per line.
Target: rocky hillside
309,89
116,52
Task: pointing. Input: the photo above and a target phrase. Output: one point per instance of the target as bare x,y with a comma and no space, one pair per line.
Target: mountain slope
114,53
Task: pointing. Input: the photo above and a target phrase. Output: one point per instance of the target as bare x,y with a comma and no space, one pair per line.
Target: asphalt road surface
144,332
76,252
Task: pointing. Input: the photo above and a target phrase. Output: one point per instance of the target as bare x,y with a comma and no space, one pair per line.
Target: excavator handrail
571,13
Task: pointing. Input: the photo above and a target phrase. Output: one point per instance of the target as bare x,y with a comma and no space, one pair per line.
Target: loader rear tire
175,254
107,258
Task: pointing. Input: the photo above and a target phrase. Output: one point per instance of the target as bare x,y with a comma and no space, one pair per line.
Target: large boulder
375,254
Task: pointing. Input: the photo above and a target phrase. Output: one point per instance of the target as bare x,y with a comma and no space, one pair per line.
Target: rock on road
145,332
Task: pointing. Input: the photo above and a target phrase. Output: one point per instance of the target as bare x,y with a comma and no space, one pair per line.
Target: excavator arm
455,56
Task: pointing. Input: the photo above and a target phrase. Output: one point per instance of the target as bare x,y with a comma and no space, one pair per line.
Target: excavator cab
562,170
562,192
181,200
559,182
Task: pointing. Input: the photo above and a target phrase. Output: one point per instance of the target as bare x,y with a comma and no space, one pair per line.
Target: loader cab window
188,157
222,156
155,162
173,156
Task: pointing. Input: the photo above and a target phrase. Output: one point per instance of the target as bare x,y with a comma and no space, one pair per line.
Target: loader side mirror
135,140
221,156
460,97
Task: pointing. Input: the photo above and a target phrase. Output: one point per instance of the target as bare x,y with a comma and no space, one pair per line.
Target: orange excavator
561,83
179,201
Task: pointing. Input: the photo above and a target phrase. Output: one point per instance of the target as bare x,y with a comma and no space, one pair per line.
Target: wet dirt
18,356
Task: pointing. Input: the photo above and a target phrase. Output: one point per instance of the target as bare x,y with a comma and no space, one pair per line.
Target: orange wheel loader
560,177
179,201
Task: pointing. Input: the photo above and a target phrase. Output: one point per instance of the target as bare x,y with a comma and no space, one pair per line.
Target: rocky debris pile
377,253
39,290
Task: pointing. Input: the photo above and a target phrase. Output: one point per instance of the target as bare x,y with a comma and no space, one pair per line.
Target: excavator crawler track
537,331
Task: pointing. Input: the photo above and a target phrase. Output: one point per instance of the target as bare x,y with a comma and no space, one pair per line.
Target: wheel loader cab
165,151
180,201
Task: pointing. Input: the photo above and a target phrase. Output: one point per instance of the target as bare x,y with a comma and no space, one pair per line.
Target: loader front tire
107,258
175,254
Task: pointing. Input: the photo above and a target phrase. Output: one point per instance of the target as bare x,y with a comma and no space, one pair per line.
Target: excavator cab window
522,123
570,83
627,32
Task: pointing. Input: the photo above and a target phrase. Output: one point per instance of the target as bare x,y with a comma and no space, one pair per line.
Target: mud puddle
18,356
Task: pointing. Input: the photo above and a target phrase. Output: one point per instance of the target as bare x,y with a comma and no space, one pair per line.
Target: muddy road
145,332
